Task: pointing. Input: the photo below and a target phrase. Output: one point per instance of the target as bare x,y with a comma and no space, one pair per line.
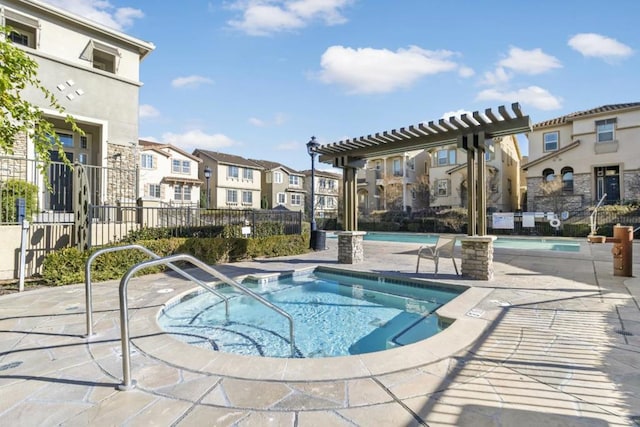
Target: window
66,139
177,192
83,142
23,28
445,157
442,186
321,201
548,175
411,163
277,177
397,169
182,192
232,196
232,172
247,197
294,180
154,190
247,174
551,141
489,155
604,130
82,158
296,199
146,161
567,179
281,198
180,166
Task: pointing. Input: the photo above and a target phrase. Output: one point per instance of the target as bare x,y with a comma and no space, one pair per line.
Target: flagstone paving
554,339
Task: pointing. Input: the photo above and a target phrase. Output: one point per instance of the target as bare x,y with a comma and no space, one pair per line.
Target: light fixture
207,176
312,146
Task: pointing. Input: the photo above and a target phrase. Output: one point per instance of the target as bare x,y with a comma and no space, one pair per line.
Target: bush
66,266
12,190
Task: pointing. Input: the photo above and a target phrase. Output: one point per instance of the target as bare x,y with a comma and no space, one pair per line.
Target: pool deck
554,339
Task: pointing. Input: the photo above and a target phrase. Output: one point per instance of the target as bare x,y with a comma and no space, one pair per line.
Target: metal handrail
88,290
594,214
127,383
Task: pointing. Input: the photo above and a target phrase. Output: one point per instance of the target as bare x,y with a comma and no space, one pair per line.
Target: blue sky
258,78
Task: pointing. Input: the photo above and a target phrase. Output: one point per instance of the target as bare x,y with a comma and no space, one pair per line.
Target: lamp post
312,146
207,176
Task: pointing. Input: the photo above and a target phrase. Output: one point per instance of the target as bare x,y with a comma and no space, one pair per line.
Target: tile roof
229,159
158,146
598,110
269,165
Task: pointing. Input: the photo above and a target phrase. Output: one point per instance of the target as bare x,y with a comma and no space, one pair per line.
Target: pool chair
442,248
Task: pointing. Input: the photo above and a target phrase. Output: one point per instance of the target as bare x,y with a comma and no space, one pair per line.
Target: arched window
567,179
548,175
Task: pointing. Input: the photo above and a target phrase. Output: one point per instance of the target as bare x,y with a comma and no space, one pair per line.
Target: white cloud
496,77
256,122
465,71
101,11
529,61
533,95
369,70
456,113
147,111
264,17
193,139
598,46
190,81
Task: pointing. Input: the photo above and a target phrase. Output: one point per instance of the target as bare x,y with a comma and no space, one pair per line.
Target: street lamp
207,176
312,146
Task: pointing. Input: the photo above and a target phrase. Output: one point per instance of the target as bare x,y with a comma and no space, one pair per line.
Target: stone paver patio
554,339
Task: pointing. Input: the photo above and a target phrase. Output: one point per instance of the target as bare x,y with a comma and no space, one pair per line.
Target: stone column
350,249
477,257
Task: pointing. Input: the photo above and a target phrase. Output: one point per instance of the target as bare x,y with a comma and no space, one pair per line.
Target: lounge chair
442,248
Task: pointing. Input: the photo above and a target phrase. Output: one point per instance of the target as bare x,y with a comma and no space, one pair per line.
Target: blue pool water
334,315
546,244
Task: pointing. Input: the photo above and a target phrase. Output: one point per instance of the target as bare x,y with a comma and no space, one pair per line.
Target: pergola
470,133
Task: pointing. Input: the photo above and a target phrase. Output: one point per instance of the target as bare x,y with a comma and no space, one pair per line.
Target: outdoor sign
503,220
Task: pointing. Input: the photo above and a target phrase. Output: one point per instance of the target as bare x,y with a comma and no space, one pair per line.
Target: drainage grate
623,332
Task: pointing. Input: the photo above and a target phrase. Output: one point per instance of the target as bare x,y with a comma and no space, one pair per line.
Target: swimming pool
335,314
544,244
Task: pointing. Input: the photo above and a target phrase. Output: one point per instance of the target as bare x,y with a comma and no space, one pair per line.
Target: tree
18,72
553,192
424,195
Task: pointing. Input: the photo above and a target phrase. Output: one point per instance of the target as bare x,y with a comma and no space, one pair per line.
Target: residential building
282,187
169,174
93,70
235,181
326,193
447,174
390,182
591,154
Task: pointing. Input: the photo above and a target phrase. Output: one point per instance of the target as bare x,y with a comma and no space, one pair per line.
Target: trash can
318,240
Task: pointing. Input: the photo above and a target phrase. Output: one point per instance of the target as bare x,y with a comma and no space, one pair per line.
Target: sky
258,78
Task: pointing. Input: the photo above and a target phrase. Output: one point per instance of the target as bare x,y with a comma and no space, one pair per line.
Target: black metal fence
110,224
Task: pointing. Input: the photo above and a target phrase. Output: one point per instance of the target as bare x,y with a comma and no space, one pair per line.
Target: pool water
334,315
500,242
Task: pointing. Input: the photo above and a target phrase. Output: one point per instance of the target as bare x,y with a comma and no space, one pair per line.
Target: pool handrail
127,382
594,215
88,283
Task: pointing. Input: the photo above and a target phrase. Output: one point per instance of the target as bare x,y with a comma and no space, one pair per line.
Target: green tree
18,72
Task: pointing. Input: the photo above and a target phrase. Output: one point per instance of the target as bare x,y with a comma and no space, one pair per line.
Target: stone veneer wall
350,247
580,197
632,184
121,182
477,257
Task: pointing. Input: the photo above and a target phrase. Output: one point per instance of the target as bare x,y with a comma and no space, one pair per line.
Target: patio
553,339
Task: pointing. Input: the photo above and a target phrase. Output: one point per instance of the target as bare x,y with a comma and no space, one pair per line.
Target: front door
61,180
608,182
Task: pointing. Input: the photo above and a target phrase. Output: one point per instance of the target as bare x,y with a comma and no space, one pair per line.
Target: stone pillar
477,257
350,249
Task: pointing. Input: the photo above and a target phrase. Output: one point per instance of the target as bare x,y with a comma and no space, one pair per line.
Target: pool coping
149,338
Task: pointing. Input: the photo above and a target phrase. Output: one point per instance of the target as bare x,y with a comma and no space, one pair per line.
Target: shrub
12,190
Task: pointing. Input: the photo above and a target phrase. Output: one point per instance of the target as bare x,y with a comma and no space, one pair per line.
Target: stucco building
591,153
281,186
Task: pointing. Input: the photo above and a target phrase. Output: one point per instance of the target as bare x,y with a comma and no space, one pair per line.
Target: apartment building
235,182
447,172
94,72
326,193
282,187
169,174
591,155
